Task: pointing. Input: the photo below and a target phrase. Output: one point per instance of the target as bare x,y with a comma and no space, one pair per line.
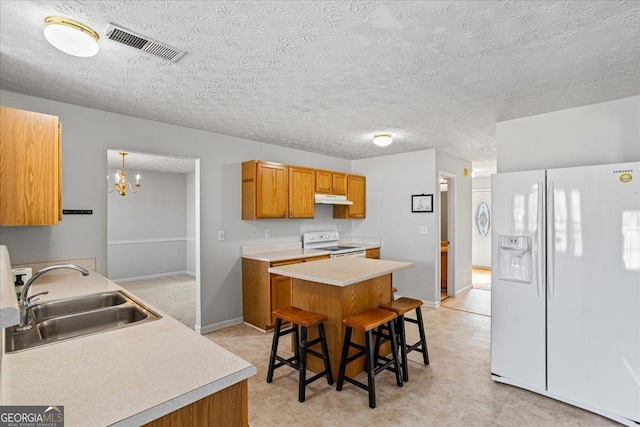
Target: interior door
517,308
594,287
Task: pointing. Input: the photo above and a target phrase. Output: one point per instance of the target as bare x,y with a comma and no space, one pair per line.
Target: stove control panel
320,237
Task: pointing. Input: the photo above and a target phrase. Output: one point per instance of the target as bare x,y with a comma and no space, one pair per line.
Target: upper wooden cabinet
302,183
30,174
265,190
272,190
357,193
328,182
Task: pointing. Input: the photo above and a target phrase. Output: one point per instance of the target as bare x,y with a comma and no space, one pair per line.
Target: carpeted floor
175,295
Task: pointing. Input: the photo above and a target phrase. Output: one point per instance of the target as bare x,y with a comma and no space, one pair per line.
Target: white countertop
341,271
128,376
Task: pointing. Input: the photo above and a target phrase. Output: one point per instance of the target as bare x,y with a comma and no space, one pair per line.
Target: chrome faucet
27,302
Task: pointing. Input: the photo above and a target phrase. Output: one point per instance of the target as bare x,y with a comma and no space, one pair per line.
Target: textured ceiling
150,162
325,76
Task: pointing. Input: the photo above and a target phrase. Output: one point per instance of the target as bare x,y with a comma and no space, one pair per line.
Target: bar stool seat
300,319
400,307
367,322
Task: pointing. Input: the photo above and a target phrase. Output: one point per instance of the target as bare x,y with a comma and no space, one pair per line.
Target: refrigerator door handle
550,240
540,241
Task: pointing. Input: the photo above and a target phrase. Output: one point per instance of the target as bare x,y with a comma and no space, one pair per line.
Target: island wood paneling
337,303
226,408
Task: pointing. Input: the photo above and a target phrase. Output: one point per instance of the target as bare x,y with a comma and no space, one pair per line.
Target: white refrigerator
565,300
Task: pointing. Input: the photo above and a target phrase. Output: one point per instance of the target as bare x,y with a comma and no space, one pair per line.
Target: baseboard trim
151,276
431,304
215,326
190,273
469,286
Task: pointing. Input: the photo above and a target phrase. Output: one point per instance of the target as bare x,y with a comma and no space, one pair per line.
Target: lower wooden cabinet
263,292
226,408
373,253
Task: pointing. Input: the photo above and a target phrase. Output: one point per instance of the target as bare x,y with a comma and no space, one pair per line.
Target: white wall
595,134
147,231
391,181
460,240
88,133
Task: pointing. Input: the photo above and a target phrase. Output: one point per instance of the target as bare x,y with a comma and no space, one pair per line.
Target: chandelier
121,180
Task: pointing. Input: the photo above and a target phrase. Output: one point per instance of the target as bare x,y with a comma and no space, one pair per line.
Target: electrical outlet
340,227
221,235
423,229
267,233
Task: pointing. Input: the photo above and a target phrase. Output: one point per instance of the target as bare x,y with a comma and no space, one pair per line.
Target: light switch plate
267,233
221,235
423,229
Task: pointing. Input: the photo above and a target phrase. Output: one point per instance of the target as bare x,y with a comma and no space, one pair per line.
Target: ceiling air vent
129,38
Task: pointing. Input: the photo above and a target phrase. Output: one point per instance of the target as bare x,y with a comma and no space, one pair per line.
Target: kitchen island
160,370
339,288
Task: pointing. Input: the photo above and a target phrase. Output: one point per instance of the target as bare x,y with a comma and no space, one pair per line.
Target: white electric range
328,241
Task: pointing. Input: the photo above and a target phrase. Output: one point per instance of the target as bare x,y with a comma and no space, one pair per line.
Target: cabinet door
29,168
280,293
272,194
302,184
324,182
356,192
339,184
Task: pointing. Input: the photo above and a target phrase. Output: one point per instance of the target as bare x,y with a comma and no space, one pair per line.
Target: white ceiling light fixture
382,139
71,37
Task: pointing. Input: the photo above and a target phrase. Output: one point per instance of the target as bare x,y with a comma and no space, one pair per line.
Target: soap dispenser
19,284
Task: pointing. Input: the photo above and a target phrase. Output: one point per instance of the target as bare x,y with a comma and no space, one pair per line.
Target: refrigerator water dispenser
514,259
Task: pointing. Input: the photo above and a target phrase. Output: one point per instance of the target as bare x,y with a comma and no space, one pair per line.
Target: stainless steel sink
57,308
59,320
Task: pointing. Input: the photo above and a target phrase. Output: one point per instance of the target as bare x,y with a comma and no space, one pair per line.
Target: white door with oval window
481,239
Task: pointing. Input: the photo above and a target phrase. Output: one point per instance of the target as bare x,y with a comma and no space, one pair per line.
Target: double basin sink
59,320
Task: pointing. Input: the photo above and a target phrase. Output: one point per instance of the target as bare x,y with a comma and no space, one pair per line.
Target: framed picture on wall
422,203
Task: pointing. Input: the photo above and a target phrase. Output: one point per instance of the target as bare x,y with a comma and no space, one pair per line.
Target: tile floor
454,390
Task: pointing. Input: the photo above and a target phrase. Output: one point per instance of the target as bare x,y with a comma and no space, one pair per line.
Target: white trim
431,304
464,289
618,418
151,276
480,189
141,241
215,326
191,273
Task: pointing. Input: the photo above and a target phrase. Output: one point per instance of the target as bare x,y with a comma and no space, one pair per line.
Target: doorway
153,231
447,235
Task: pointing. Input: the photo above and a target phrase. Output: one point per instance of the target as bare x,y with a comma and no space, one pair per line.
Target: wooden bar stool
300,319
400,307
367,322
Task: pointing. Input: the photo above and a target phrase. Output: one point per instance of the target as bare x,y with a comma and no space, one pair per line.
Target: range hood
330,199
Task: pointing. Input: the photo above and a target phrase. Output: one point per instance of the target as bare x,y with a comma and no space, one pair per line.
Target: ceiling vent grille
136,41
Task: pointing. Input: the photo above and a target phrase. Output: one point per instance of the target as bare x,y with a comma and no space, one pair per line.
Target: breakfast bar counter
339,288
